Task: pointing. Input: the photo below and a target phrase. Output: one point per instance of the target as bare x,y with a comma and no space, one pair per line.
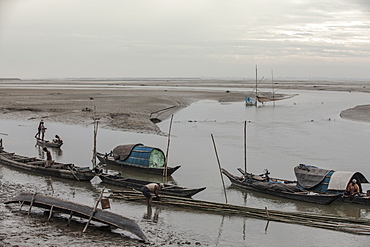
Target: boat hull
48,144
262,187
363,200
37,166
79,210
168,189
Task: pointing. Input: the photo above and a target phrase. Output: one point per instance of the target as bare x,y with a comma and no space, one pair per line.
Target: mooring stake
33,199
69,218
267,213
51,212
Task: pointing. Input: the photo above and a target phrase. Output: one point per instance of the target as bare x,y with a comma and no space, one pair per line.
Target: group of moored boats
313,184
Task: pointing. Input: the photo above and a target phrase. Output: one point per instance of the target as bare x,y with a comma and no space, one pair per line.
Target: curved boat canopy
138,154
317,179
340,179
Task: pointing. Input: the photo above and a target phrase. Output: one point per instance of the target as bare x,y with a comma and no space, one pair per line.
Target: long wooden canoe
79,210
37,166
145,169
285,190
168,189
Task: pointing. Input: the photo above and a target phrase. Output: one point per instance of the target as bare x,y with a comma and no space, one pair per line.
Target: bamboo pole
32,200
168,147
329,222
256,83
219,166
94,210
70,218
273,89
96,124
245,147
51,212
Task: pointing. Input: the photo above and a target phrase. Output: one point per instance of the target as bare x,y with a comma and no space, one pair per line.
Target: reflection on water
152,218
279,137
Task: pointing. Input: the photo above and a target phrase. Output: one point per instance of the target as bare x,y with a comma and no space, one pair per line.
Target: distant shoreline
130,104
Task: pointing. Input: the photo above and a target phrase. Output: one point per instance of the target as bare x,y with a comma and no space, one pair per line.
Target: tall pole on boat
96,123
273,89
168,147
245,147
219,166
256,82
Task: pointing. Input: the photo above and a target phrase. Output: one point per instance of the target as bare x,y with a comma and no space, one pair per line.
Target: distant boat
278,187
263,98
168,189
266,96
45,143
78,210
137,157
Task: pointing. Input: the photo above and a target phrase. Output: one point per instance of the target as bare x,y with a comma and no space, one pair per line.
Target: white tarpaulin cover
340,179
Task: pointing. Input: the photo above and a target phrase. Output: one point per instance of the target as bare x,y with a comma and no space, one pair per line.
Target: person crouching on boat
151,188
49,159
353,189
57,139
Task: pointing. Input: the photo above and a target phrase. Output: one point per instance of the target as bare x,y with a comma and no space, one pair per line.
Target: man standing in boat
49,159
39,129
43,130
151,188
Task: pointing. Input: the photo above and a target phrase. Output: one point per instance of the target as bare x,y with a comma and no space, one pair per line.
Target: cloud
41,38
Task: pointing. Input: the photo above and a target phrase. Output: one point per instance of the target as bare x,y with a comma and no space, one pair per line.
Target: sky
42,39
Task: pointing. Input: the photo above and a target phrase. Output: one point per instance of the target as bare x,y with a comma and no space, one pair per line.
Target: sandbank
130,104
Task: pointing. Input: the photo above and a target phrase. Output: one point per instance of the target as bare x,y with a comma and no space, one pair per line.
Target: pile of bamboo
330,222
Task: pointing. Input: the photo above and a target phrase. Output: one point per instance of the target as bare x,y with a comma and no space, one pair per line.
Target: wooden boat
168,189
37,166
362,199
45,143
278,187
137,157
317,179
266,97
74,209
263,98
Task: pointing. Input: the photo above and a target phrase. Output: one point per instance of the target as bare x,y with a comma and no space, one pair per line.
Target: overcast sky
184,38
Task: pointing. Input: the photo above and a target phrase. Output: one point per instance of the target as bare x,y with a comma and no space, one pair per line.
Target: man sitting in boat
353,189
49,159
147,189
57,139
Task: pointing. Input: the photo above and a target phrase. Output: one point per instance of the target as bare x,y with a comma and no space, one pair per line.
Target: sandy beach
130,104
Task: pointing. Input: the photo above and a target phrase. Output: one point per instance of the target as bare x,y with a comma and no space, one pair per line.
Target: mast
256,82
273,89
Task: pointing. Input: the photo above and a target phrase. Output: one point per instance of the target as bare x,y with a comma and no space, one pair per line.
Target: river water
305,129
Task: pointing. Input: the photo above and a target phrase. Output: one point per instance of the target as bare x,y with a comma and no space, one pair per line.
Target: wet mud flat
20,229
